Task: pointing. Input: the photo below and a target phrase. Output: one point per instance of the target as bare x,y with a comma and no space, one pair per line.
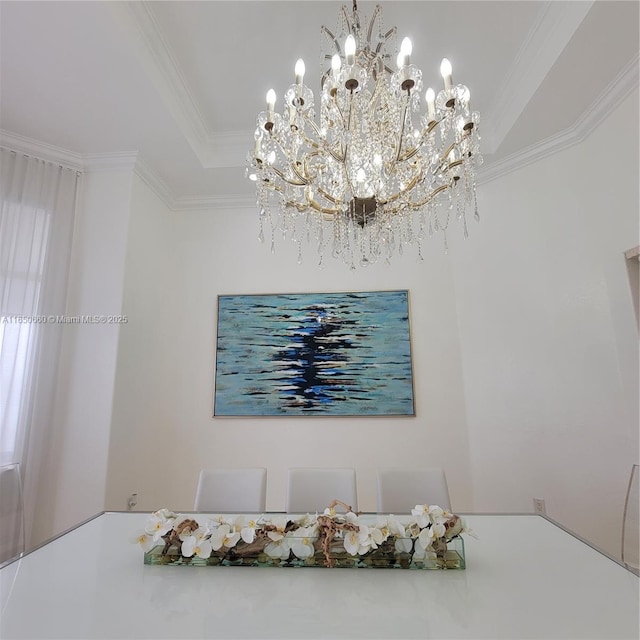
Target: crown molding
42,150
554,27
124,161
157,185
86,163
615,92
229,149
140,26
619,89
207,203
213,150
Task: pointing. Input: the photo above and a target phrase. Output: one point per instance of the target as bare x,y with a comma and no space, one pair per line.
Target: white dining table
525,578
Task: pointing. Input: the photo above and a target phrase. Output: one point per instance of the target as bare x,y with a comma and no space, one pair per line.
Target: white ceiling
182,82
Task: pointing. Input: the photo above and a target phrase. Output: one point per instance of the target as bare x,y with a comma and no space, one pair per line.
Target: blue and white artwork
323,354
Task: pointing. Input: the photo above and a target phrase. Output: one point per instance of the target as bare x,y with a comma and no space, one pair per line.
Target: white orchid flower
223,537
370,537
307,520
351,542
396,528
199,534
280,523
278,548
427,536
167,514
363,539
403,545
159,523
248,530
421,513
301,541
192,545
425,539
419,553
145,540
435,511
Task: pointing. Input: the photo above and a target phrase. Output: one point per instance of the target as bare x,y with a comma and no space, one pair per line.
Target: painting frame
328,354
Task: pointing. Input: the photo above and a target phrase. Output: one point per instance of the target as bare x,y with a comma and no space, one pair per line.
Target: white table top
525,578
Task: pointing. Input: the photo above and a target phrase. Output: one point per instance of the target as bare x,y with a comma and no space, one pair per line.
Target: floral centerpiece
428,539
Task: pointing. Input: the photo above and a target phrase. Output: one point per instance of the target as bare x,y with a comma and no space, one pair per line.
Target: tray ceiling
180,83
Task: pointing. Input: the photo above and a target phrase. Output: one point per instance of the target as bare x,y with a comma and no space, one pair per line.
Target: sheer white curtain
38,203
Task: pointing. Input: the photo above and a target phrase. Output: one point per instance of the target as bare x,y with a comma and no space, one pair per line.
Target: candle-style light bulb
405,51
271,99
350,50
299,71
430,97
336,63
446,70
466,99
271,103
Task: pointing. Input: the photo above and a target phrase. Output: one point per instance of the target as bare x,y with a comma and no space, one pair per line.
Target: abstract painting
322,354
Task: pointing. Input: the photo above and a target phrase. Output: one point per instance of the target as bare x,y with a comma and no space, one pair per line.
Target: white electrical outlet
538,506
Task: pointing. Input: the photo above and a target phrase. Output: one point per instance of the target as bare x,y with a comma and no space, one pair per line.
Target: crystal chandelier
377,171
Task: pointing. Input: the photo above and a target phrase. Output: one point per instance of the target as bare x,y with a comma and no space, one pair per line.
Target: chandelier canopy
378,171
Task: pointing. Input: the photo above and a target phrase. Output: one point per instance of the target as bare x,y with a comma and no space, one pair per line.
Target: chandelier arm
375,98
337,106
404,116
412,183
305,164
316,145
314,205
409,154
344,152
346,146
374,16
287,180
296,205
443,159
356,17
422,203
313,125
331,37
329,197
346,17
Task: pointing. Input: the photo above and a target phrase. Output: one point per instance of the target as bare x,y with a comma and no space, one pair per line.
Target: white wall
163,432
145,438
548,334
73,480
524,343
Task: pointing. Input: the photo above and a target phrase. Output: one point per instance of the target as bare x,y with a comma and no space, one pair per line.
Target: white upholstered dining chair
400,490
232,490
311,490
12,541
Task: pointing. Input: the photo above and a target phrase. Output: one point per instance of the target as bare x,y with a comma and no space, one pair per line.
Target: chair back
631,523
232,490
400,490
12,541
312,490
